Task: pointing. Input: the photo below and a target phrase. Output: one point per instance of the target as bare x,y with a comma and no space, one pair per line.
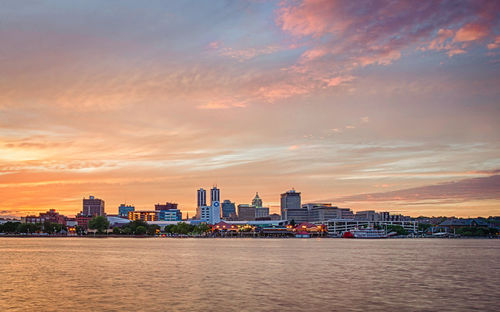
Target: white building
210,214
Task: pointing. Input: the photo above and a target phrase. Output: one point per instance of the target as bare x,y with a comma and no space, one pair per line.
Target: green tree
22,228
99,223
9,227
116,230
152,229
127,230
140,230
201,228
396,228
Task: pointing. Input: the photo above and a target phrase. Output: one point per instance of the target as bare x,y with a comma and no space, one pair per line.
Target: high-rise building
228,209
210,214
201,201
214,195
257,201
124,209
202,197
93,206
290,201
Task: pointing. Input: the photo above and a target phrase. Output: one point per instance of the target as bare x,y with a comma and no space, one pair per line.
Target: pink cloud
340,36
495,44
471,32
482,188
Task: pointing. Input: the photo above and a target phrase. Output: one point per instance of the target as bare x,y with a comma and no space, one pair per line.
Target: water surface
159,274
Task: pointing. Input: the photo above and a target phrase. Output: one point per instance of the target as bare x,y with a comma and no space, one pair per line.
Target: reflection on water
158,274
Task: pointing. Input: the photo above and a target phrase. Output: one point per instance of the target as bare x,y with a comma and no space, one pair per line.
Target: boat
365,233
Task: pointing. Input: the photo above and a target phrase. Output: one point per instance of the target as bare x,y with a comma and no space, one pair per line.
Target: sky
382,105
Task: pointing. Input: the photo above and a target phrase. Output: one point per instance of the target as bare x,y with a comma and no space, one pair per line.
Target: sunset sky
383,105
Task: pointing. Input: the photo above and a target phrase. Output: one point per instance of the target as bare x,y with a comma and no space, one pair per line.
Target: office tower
93,206
210,214
202,197
228,209
290,206
123,210
257,201
214,195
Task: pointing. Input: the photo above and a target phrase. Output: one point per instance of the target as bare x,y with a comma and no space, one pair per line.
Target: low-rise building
124,209
50,216
143,215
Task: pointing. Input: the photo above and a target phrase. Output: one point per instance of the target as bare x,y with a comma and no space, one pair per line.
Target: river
168,274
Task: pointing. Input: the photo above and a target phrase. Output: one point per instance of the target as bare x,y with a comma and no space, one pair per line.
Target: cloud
482,188
340,36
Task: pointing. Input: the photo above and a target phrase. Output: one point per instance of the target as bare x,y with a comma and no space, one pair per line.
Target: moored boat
365,233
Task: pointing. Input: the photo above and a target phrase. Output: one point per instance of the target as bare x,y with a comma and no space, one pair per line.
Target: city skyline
369,105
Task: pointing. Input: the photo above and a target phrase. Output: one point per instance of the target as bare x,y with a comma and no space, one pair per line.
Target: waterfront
160,274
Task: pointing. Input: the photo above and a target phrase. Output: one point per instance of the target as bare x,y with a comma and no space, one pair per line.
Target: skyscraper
202,201
202,197
257,201
228,209
214,195
93,207
290,201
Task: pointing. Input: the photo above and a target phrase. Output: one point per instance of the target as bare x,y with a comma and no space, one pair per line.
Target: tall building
202,197
291,201
228,209
93,207
257,201
210,214
201,201
123,210
214,195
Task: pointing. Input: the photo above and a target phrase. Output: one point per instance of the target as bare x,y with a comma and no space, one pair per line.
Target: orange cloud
471,32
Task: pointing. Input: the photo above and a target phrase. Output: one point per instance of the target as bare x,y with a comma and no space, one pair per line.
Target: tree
99,223
153,229
116,230
22,228
9,227
140,230
201,228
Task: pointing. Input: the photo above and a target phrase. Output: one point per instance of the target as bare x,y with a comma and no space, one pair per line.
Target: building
290,200
93,207
210,214
201,201
321,212
368,215
261,212
50,216
257,201
143,215
167,206
214,195
246,212
228,209
123,210
169,215
83,221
